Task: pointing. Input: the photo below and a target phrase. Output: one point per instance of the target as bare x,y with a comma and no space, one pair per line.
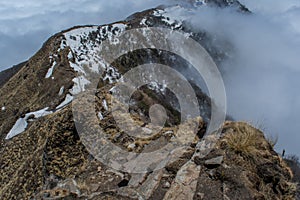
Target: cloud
270,6
25,25
262,73
15,49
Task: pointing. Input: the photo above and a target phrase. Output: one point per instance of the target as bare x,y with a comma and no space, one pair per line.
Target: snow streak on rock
84,56
61,91
50,70
22,123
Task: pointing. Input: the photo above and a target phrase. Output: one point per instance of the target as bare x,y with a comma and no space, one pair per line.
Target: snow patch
85,44
19,127
77,68
112,90
112,75
100,116
50,70
168,133
131,146
174,16
69,98
21,124
157,87
79,85
61,91
104,104
3,108
84,56
70,55
143,22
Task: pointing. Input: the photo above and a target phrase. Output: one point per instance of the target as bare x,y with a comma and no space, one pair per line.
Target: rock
214,162
212,173
151,184
167,185
198,161
123,183
131,146
200,195
70,185
185,183
137,179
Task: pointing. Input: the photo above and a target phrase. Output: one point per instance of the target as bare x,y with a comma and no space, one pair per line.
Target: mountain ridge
48,160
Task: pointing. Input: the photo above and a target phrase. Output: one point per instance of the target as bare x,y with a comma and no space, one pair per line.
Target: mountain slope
8,73
44,156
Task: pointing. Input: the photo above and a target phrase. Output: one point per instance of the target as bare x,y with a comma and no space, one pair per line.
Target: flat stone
185,183
137,179
151,184
214,162
167,185
200,195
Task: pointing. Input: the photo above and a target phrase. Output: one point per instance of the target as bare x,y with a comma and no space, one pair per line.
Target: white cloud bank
262,75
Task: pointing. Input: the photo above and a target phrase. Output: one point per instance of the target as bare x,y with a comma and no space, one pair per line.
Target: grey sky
25,25
262,74
272,74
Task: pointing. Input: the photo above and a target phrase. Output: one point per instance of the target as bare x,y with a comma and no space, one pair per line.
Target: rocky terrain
45,156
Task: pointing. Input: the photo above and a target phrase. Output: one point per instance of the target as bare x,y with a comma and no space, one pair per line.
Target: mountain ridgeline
43,155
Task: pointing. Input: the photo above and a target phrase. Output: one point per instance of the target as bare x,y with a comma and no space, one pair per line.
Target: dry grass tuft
272,140
242,142
243,139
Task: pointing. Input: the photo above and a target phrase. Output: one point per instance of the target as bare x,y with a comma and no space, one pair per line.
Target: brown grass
272,140
243,140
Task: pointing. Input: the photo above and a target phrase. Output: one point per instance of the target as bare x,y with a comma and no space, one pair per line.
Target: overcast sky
263,87
25,25
262,77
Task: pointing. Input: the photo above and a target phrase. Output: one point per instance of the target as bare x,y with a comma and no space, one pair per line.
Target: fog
262,72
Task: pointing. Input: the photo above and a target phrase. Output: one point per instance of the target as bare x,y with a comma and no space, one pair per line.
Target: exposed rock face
244,172
48,159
